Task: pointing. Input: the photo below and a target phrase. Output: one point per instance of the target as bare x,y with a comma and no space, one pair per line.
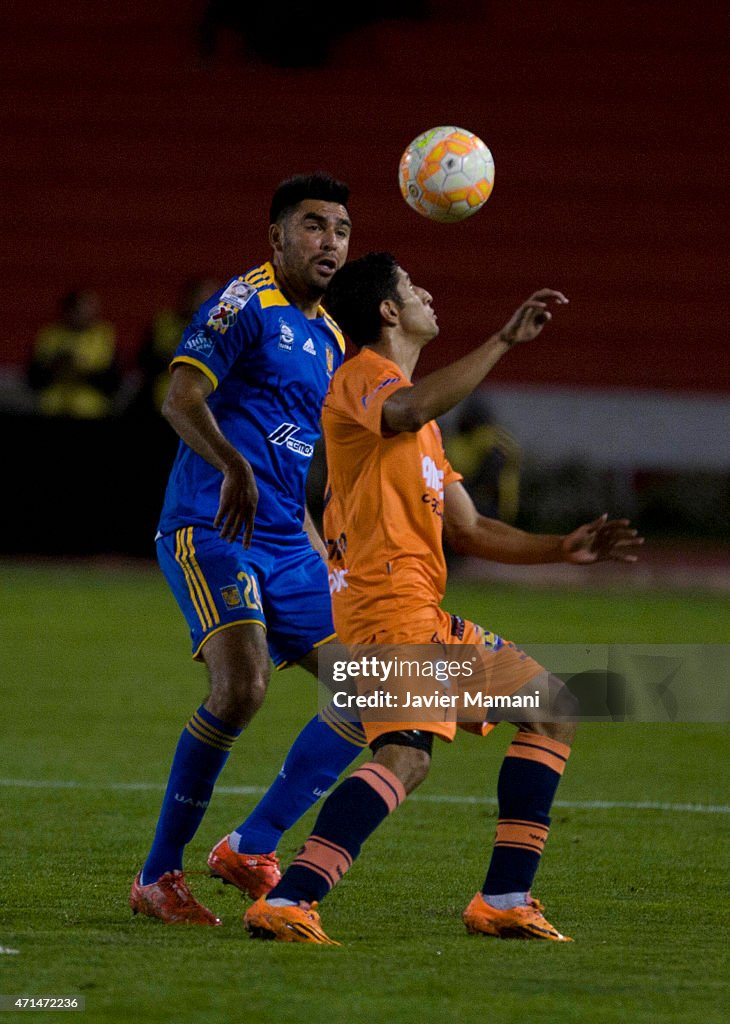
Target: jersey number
251,592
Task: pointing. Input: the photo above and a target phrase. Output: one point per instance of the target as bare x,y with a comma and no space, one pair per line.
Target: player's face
417,317
310,245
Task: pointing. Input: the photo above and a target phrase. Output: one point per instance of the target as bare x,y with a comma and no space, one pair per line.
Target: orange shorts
502,669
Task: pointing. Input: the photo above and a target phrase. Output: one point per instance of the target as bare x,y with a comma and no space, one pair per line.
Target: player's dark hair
307,186
356,291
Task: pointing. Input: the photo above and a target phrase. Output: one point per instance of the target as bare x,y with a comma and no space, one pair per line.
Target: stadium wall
129,164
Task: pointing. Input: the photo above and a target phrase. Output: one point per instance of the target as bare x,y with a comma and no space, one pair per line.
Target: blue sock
318,756
201,752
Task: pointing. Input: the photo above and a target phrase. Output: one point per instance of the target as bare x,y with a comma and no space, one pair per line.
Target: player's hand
527,322
600,541
238,500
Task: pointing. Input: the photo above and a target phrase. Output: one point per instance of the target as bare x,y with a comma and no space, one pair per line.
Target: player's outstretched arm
409,408
602,540
470,533
186,409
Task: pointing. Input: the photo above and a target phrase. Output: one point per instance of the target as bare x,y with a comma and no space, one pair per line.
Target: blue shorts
284,588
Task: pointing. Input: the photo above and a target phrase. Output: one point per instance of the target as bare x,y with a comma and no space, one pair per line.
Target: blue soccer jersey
270,367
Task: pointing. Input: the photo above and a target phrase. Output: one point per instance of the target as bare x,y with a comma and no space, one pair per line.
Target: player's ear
390,312
275,237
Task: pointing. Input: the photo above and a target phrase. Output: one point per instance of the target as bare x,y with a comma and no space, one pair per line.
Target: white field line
431,798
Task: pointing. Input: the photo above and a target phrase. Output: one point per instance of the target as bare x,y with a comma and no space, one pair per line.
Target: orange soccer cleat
518,923
253,873
170,900
285,924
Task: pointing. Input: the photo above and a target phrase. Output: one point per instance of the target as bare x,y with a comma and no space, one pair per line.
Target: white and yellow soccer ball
446,174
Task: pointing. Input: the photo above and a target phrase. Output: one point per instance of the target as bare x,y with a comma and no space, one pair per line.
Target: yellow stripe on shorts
199,576
197,595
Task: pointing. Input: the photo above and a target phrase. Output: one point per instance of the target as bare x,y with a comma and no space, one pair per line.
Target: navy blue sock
348,817
202,750
318,756
528,779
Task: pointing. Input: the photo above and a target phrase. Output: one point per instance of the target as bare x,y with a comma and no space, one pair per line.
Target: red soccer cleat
170,900
254,874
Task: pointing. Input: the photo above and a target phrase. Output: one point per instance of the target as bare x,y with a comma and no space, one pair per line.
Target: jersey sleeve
450,474
360,394
222,329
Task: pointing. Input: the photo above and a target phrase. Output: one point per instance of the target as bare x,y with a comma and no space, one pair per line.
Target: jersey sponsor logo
238,293
338,581
383,384
433,476
286,335
284,434
433,503
231,596
308,346
200,342
330,360
223,316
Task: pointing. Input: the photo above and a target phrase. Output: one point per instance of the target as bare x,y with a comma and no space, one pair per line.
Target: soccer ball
446,174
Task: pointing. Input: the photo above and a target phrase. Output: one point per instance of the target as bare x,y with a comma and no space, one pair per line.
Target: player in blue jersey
235,541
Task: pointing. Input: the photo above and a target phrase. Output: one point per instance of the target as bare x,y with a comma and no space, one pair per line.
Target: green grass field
97,683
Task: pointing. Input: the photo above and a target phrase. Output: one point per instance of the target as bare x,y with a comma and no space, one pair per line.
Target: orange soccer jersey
383,523
384,511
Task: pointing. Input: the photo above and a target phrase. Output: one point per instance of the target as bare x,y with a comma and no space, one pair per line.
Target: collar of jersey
266,279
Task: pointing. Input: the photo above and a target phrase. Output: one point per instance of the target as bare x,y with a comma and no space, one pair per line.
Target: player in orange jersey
392,494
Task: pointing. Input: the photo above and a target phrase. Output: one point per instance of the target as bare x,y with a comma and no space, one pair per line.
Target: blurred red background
127,166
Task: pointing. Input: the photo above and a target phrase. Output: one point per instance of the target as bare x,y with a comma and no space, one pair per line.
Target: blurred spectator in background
163,337
486,455
73,368
149,444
